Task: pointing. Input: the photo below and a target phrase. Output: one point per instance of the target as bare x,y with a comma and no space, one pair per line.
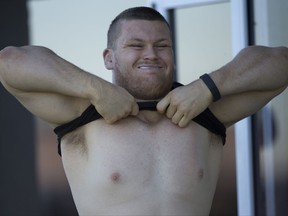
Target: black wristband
212,87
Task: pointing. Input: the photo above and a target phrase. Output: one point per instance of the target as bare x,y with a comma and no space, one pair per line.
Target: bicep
232,109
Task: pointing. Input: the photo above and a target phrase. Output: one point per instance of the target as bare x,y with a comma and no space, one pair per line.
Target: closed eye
162,46
136,45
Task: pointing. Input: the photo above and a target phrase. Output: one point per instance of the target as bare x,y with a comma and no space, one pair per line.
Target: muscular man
139,159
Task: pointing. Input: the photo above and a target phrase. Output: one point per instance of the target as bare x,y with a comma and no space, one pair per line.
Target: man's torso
142,165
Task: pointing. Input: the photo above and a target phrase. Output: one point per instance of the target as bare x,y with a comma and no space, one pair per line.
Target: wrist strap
212,87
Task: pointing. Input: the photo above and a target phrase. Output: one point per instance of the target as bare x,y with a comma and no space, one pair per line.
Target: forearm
254,69
38,69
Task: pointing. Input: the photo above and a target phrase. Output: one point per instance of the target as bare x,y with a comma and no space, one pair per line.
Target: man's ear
108,59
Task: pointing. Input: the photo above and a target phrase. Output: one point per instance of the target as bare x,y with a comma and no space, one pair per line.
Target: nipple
115,177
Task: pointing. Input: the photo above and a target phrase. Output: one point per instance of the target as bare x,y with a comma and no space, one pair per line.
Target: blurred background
32,179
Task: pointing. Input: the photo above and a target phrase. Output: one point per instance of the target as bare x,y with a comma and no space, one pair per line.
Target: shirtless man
141,162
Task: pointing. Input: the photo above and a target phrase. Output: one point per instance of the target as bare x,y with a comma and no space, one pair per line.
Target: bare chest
133,159
134,145
150,150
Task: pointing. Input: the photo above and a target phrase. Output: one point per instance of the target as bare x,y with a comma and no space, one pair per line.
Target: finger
135,109
171,111
116,116
163,104
184,121
110,120
177,117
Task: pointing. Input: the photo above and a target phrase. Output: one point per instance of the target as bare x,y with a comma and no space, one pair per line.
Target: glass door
207,34
271,123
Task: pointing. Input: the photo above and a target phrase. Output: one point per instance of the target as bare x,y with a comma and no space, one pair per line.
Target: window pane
203,44
203,39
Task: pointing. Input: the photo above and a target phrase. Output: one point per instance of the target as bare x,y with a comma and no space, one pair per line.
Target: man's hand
186,102
114,103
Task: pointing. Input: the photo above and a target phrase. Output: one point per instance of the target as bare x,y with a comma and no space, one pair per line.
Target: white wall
203,39
75,29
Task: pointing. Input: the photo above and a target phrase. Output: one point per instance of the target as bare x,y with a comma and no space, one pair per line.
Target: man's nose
150,52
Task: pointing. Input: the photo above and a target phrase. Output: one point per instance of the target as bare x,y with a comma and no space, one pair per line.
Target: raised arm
254,77
247,83
56,90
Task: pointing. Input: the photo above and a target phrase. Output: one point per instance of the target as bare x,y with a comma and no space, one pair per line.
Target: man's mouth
149,67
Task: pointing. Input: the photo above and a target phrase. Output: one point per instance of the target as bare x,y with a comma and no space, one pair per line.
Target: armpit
76,140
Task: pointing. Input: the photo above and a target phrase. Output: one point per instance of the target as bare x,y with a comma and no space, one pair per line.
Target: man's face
142,60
